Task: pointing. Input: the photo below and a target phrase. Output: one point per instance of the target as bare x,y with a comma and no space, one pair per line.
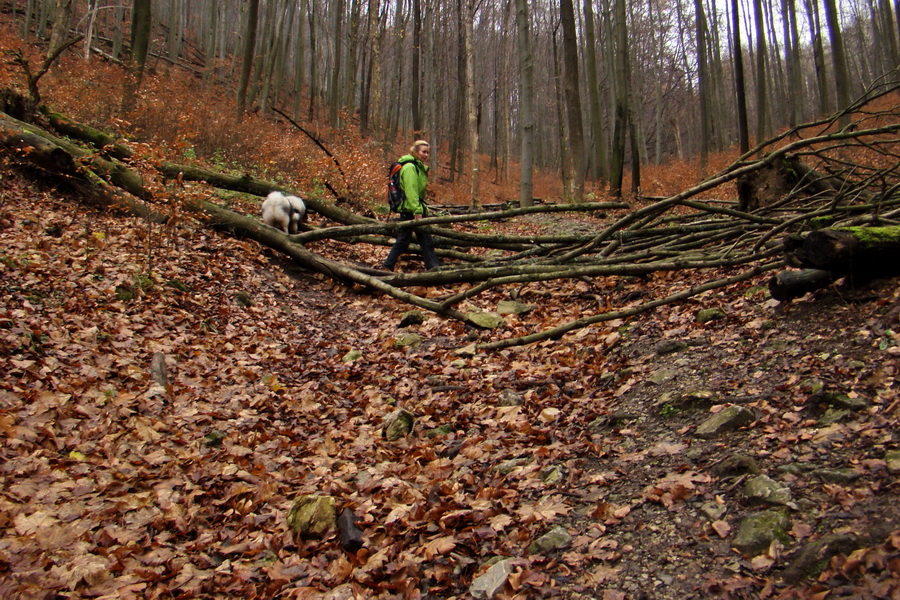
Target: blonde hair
416,144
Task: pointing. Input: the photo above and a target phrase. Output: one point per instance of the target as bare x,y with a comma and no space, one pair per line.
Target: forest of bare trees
587,89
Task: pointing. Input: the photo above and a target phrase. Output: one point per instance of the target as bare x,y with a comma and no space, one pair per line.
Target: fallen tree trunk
789,285
863,252
34,146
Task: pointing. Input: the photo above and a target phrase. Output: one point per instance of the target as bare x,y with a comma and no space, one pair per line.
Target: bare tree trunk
176,29
247,56
739,81
140,44
299,39
598,133
526,110
472,149
839,59
91,18
416,68
573,99
62,14
762,102
617,171
792,49
703,82
313,66
335,92
812,14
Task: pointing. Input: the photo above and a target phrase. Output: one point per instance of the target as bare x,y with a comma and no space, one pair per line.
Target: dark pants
404,236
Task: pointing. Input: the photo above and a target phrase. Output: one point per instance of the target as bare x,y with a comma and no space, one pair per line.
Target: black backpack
395,192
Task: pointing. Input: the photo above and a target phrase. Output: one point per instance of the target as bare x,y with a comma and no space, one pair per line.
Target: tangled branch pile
810,177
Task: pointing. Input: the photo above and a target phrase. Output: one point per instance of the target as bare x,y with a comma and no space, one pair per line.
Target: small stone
511,307
485,320
492,581
713,510
892,458
846,402
669,347
763,488
439,431
351,356
554,539
398,424
705,315
553,475
412,317
662,375
833,415
508,466
736,465
839,476
312,515
725,420
759,530
408,340
510,398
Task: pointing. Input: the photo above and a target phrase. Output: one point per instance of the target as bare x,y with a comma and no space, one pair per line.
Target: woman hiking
414,184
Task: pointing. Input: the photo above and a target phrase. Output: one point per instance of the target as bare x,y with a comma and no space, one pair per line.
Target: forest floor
114,487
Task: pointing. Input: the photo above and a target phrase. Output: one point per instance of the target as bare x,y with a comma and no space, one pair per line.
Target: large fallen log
826,255
863,252
110,184
789,285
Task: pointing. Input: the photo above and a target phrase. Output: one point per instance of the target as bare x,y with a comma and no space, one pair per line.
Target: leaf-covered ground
115,487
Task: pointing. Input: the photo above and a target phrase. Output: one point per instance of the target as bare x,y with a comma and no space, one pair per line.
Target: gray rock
815,555
412,317
485,320
492,581
759,530
833,415
312,515
511,307
508,466
892,458
408,340
690,399
846,402
839,476
736,465
662,375
510,398
439,431
351,356
705,315
725,420
553,475
398,424
669,346
763,488
713,510
554,539
467,351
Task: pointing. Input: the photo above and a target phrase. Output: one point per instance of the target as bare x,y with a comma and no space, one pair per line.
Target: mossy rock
312,515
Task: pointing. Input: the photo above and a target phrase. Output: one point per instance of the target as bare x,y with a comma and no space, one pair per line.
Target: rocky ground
818,378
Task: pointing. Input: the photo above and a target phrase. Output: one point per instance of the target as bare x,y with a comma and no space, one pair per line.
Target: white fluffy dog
283,212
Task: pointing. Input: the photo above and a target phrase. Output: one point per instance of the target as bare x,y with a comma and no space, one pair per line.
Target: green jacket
414,183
